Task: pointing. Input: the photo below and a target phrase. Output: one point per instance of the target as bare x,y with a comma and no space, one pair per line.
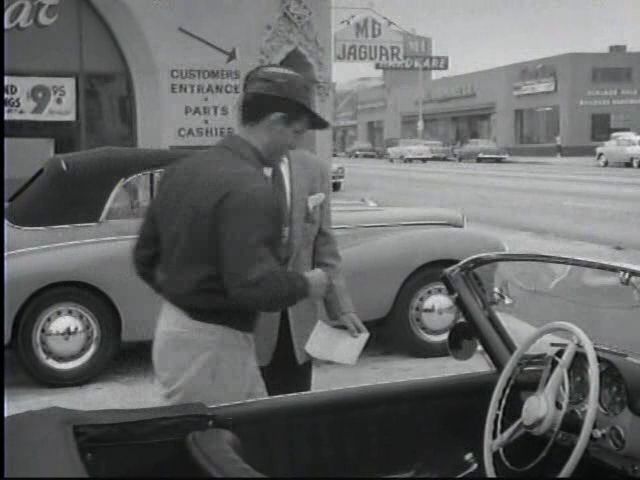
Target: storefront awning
467,110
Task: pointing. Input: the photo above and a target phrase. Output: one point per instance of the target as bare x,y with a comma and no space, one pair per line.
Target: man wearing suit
212,244
280,337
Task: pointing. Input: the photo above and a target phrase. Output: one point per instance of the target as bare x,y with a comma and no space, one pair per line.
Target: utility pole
420,124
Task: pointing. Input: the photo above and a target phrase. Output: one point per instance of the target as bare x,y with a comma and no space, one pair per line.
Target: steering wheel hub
534,411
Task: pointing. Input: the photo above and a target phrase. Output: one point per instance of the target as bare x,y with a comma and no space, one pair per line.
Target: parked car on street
362,150
479,150
409,149
337,176
561,397
623,149
72,295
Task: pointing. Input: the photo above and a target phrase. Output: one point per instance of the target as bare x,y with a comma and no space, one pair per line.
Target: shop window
537,125
107,104
612,75
604,124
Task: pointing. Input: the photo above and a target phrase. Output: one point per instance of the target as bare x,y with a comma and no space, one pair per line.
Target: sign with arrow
231,54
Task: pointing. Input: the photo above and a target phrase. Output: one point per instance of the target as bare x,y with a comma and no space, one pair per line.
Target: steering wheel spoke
553,386
511,434
546,372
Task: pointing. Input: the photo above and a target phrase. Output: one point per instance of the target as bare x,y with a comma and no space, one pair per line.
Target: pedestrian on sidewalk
558,146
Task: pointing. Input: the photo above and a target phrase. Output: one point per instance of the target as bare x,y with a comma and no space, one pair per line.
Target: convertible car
72,295
561,398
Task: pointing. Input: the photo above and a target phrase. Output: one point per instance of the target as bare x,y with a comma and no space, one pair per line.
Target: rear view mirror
462,341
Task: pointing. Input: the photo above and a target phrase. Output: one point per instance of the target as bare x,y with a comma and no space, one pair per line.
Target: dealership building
576,98
81,74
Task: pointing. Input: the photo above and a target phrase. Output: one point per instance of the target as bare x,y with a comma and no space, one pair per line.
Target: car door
139,305
422,426
620,154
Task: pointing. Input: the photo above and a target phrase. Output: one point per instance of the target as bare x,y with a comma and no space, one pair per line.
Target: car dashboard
615,438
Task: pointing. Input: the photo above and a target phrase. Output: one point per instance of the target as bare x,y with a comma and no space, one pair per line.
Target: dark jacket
210,239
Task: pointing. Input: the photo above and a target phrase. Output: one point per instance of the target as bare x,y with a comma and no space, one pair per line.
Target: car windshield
525,295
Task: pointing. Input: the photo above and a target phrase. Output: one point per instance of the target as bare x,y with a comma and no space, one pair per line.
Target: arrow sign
231,55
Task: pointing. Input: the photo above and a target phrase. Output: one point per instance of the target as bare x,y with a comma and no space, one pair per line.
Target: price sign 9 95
40,98
43,95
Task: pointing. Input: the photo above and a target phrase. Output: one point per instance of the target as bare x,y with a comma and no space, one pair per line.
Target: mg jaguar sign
368,39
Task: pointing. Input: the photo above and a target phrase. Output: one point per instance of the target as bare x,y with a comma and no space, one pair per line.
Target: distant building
579,97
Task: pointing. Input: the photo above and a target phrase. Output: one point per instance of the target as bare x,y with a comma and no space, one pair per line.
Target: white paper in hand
335,344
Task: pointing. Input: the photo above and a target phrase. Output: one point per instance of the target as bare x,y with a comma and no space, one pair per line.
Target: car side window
133,196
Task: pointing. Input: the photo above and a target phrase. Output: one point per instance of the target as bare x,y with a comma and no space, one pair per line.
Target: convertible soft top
73,188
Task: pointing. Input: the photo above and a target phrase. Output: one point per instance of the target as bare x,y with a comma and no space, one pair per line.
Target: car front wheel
603,161
336,186
422,315
66,336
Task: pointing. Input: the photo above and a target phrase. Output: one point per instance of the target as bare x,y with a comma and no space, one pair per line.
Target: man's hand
353,323
318,282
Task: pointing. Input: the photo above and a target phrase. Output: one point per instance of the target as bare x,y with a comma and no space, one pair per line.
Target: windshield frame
490,330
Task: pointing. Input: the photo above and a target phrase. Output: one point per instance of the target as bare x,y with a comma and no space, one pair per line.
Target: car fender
376,269
103,264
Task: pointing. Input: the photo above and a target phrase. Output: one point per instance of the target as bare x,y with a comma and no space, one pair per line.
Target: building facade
577,99
151,73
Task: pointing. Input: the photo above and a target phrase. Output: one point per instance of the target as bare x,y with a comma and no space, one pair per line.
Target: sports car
561,398
479,150
72,295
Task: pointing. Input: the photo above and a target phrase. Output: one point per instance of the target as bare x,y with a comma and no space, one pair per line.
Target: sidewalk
587,161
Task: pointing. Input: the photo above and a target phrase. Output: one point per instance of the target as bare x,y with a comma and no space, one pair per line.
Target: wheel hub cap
433,312
66,336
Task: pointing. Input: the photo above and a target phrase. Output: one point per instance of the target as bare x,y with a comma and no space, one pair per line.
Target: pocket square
313,201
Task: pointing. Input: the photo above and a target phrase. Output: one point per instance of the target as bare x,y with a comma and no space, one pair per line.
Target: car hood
367,216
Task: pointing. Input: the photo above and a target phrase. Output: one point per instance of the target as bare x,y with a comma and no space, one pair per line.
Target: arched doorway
74,48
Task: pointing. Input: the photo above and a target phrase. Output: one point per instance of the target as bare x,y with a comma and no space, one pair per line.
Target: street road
571,199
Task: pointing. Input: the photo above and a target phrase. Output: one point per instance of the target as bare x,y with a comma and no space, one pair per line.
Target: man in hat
213,242
280,337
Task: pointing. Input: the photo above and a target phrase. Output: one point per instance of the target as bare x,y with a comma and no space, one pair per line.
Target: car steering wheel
540,413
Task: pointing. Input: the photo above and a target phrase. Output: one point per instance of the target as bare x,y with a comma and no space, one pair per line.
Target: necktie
280,194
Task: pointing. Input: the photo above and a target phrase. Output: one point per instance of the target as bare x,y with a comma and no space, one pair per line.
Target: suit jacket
312,245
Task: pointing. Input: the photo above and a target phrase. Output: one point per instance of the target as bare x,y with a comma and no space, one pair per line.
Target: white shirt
286,176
